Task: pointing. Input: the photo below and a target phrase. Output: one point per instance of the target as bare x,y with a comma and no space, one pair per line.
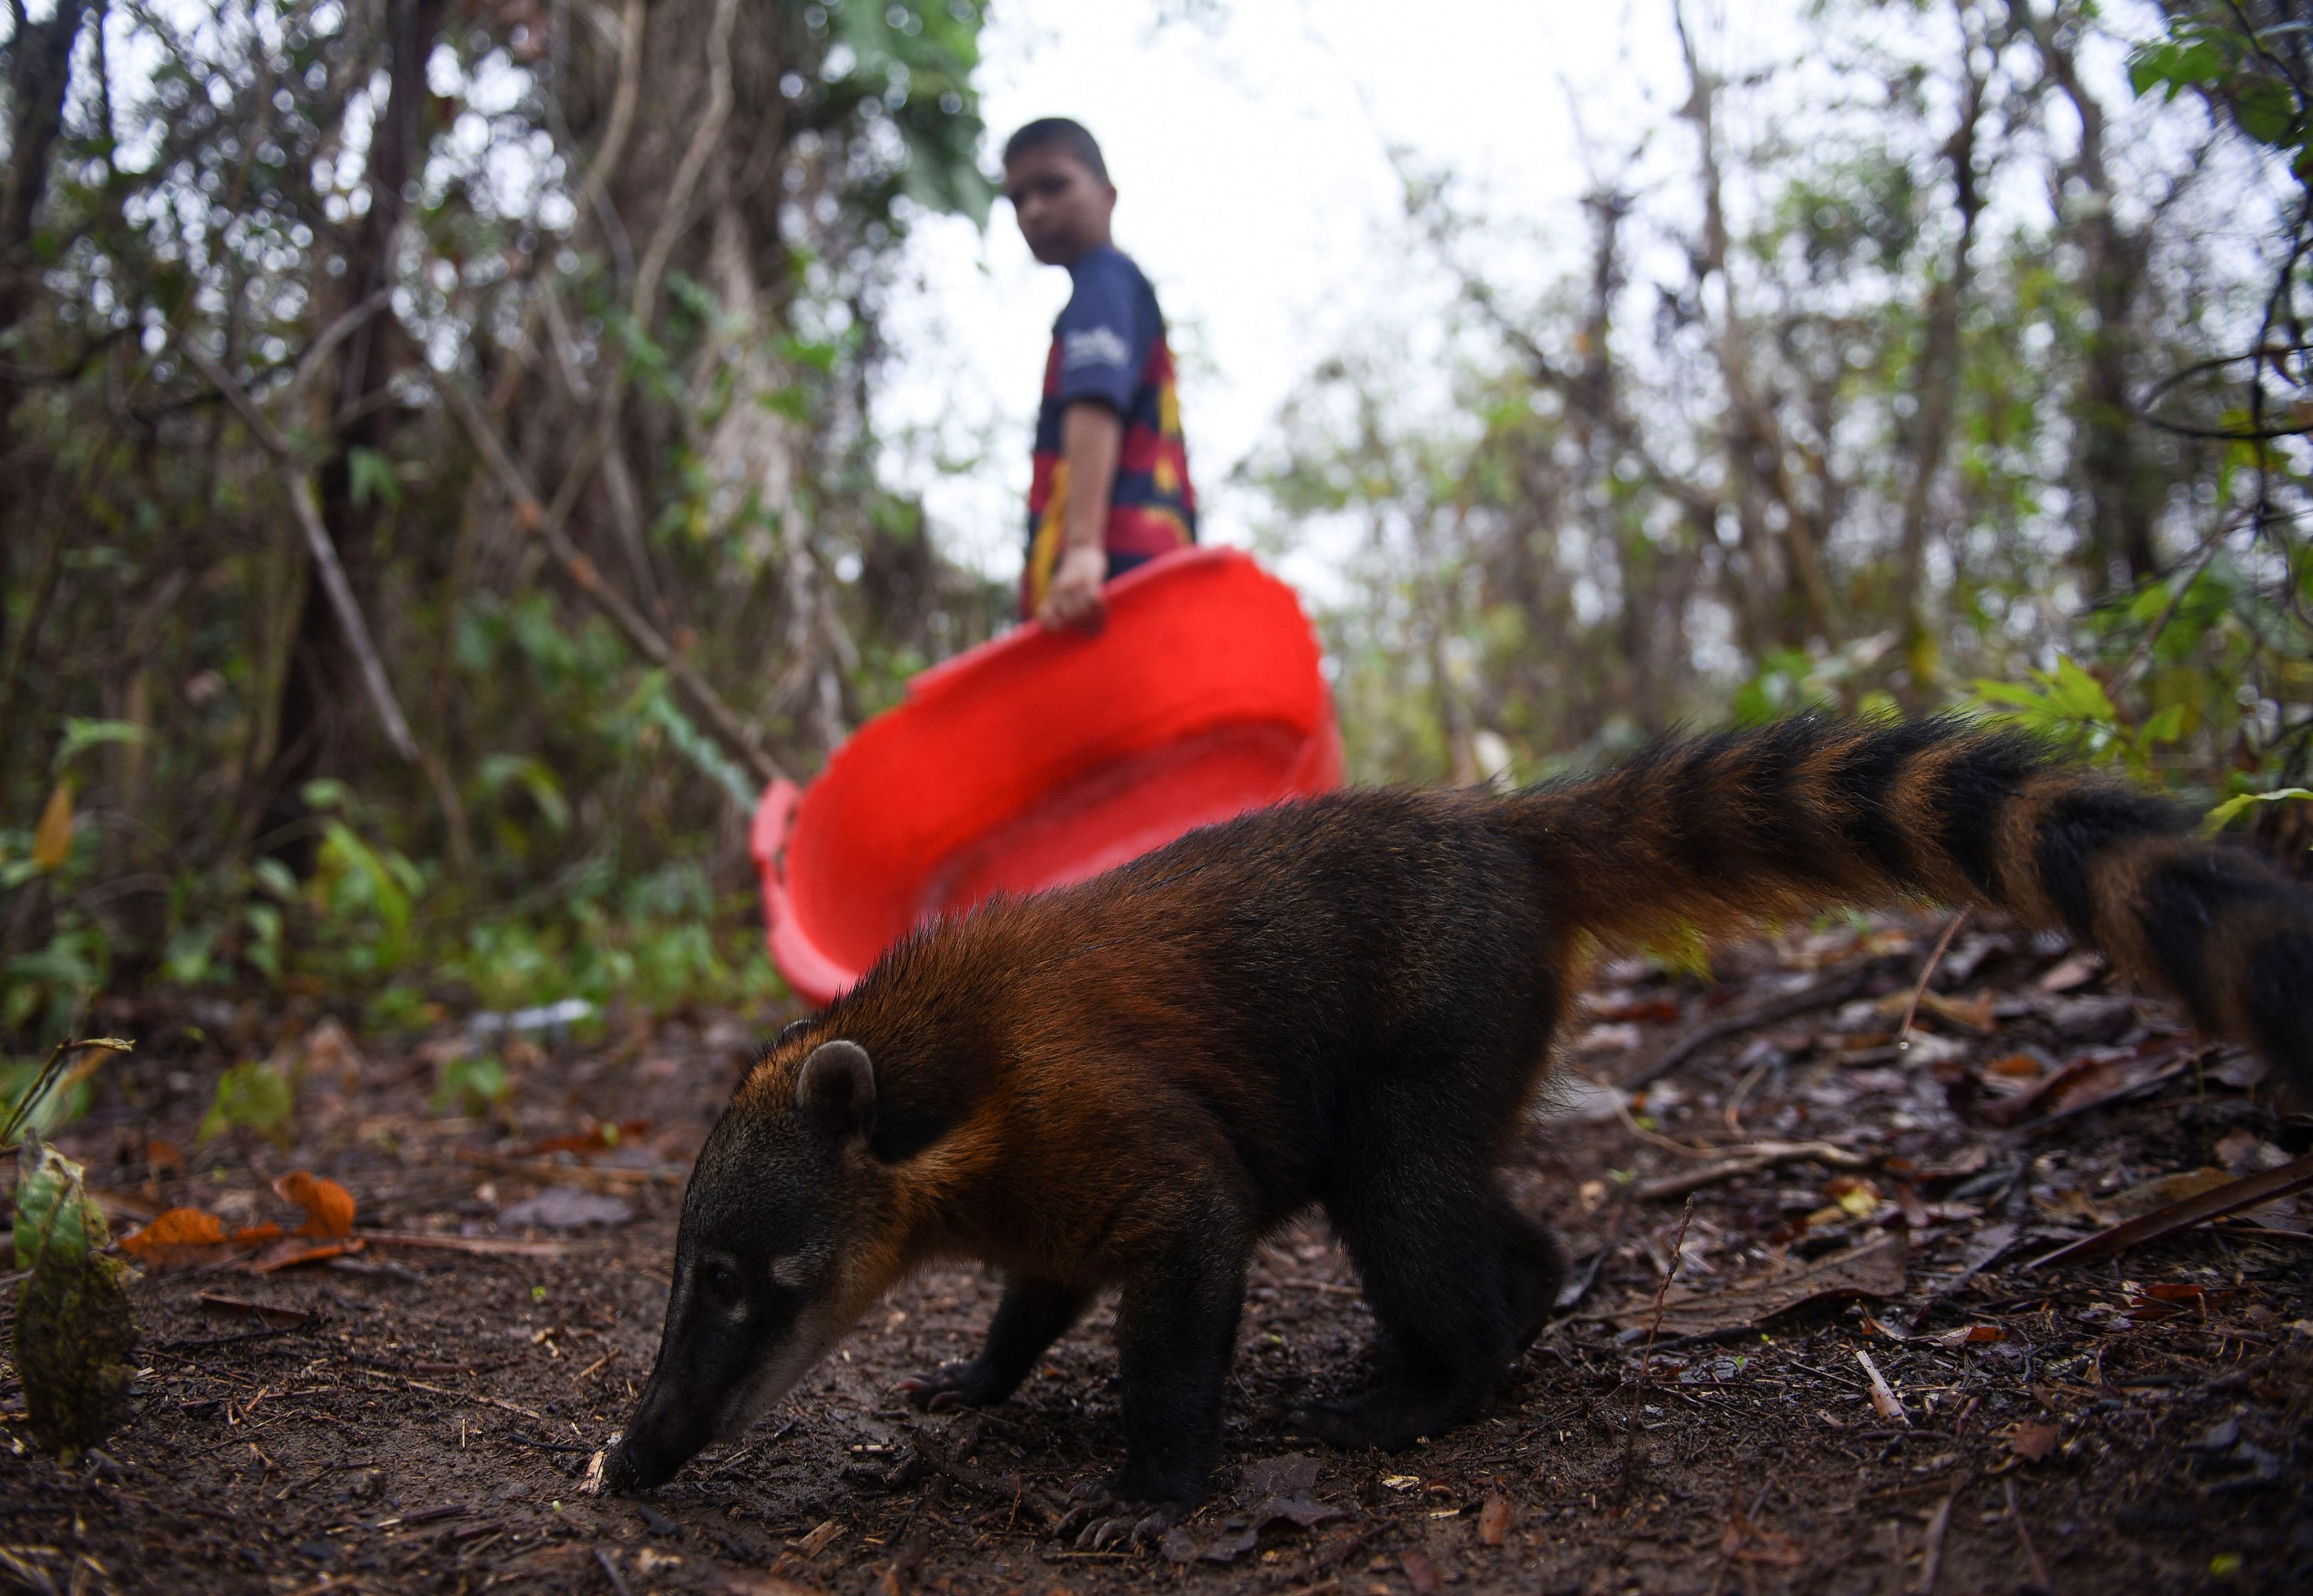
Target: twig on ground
1646,1357
1755,1159
1932,1549
1927,974
2024,1537
583,1174
611,1571
1837,990
1884,1400
480,1246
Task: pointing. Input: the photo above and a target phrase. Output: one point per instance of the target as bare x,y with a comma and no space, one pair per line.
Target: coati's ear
837,1088
791,1030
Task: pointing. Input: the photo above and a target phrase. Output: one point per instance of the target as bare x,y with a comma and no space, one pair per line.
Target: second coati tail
1348,1004
1724,833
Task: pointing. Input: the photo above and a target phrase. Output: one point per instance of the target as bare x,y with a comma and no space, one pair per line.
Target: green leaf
56,1222
80,736
2224,814
253,1097
474,1085
370,476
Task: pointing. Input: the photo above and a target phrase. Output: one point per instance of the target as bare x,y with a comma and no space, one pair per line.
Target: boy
1110,488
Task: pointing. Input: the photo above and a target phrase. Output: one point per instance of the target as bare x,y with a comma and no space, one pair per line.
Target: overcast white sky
1252,162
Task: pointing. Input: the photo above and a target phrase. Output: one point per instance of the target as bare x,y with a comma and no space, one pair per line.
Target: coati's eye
722,1282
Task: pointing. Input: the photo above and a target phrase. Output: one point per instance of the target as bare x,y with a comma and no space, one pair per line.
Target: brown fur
1349,1003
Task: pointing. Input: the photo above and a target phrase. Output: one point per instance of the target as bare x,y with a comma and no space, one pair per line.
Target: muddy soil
414,1419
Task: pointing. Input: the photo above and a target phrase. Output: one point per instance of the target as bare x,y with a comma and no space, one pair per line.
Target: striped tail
1721,833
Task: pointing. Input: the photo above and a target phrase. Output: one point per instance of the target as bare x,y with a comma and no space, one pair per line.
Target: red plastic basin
1043,758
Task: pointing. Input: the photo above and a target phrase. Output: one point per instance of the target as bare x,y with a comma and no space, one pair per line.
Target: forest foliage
442,483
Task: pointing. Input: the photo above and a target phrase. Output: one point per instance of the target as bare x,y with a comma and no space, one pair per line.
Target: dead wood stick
480,1246
1647,1358
583,1174
1884,1400
2248,1192
2039,1570
1927,974
545,523
1754,1161
1837,990
1932,1551
318,543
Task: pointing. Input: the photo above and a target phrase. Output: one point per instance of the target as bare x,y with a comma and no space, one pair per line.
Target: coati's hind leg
1033,1315
1458,1283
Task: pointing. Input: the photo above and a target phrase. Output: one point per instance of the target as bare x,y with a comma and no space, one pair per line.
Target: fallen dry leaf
2158,1194
1420,1573
176,1239
1290,1473
1873,1270
1494,1522
2250,1192
1858,1197
329,1206
2032,1441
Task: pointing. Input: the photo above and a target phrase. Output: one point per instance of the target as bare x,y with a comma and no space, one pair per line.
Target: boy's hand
1075,597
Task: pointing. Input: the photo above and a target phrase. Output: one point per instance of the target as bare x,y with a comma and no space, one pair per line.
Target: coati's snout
759,1293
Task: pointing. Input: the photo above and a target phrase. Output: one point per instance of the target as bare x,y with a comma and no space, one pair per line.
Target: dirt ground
416,1419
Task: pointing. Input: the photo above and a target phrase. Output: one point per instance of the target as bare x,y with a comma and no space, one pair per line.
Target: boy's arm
1092,435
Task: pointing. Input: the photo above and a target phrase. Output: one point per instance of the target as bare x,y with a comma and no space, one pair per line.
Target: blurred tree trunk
321,723
2117,473
39,75
1936,385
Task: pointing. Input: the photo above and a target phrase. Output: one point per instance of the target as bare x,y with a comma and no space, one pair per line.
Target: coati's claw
1134,1528
945,1390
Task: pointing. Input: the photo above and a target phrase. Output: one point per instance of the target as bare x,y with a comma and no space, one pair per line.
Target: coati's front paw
949,1387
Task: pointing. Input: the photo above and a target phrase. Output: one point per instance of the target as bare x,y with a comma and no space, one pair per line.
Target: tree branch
308,508
545,523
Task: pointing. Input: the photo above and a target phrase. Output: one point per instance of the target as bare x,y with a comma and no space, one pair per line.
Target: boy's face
1062,209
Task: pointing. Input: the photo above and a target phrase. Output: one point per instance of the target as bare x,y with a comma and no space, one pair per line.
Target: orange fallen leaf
2031,1441
329,1206
1494,1522
250,1236
176,1239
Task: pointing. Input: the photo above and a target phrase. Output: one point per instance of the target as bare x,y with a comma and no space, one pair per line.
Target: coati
1348,1002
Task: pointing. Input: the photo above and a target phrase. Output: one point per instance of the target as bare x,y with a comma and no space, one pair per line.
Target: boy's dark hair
1070,136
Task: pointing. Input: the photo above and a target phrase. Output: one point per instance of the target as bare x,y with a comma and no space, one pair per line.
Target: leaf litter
428,1424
